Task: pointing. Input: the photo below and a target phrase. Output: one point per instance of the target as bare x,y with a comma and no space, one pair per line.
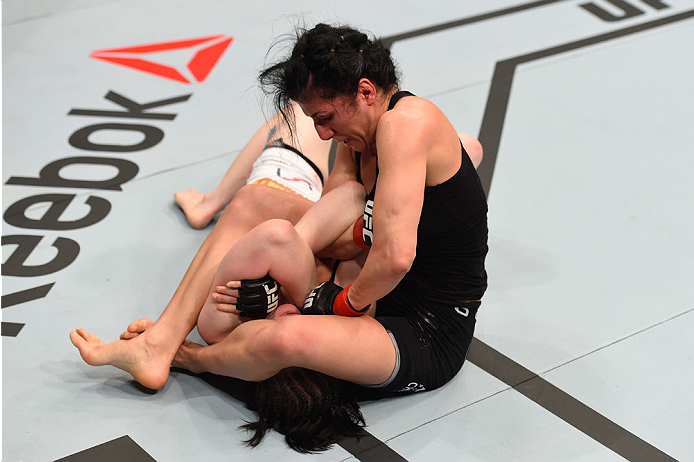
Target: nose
323,132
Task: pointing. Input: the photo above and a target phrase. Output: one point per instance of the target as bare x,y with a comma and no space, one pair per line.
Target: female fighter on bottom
428,204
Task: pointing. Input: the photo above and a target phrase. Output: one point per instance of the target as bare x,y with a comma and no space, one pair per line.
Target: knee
354,187
357,192
276,233
473,148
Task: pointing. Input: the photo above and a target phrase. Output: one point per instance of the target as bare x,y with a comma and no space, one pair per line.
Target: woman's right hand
226,297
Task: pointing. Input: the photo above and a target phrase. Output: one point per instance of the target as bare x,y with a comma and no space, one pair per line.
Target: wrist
344,306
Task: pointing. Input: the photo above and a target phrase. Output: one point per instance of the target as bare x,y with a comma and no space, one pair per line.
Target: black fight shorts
431,342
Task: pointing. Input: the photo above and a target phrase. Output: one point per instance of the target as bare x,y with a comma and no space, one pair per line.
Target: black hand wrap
258,297
320,300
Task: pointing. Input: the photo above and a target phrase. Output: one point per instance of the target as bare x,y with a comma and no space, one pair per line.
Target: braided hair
312,410
328,61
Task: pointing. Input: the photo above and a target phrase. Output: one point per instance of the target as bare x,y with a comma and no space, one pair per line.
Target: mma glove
329,298
258,297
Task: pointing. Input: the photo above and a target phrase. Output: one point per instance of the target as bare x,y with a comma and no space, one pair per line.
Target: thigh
251,206
356,349
254,204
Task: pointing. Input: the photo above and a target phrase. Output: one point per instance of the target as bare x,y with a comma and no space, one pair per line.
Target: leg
473,148
284,252
201,208
355,349
273,248
148,356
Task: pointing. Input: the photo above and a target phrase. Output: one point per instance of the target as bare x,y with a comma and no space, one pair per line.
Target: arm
340,245
333,215
201,208
397,206
303,137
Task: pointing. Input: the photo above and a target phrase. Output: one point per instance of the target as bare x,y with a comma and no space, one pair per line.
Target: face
284,310
340,119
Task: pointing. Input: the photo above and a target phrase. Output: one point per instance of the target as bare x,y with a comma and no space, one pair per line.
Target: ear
367,90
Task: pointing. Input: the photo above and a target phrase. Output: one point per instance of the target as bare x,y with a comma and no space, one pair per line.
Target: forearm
343,248
381,273
332,216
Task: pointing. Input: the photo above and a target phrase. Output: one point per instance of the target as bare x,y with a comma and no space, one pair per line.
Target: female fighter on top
424,221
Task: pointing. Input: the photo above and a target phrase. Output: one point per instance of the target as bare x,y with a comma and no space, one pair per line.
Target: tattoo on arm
269,135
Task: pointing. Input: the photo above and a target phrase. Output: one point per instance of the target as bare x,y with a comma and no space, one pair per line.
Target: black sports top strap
396,97
279,143
358,157
332,276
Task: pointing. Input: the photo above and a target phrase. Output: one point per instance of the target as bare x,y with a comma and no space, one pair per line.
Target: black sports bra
367,229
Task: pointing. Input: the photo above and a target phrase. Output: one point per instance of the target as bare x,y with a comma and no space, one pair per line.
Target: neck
380,109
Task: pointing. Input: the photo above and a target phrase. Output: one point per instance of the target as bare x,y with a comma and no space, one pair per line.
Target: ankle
160,338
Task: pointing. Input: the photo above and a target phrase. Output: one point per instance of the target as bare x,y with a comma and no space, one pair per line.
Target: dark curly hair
330,61
312,410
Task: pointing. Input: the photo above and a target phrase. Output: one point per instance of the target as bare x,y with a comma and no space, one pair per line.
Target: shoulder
413,118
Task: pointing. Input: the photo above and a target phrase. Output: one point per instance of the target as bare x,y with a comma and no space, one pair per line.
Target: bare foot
199,209
185,357
138,356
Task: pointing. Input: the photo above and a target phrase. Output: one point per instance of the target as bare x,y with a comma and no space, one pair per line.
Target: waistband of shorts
278,143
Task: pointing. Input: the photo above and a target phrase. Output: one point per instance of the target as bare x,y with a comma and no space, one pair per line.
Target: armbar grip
320,300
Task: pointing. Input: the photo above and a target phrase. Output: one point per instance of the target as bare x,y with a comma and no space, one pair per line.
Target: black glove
258,297
320,300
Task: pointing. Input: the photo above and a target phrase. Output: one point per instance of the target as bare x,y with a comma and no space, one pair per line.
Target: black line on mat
563,405
388,41
118,450
26,295
513,374
370,449
10,329
500,90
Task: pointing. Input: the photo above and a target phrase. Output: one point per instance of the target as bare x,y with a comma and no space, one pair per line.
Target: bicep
398,200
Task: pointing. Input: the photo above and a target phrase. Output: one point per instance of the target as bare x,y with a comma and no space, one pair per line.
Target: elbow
400,261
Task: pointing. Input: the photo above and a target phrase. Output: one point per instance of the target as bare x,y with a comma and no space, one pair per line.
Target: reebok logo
207,51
